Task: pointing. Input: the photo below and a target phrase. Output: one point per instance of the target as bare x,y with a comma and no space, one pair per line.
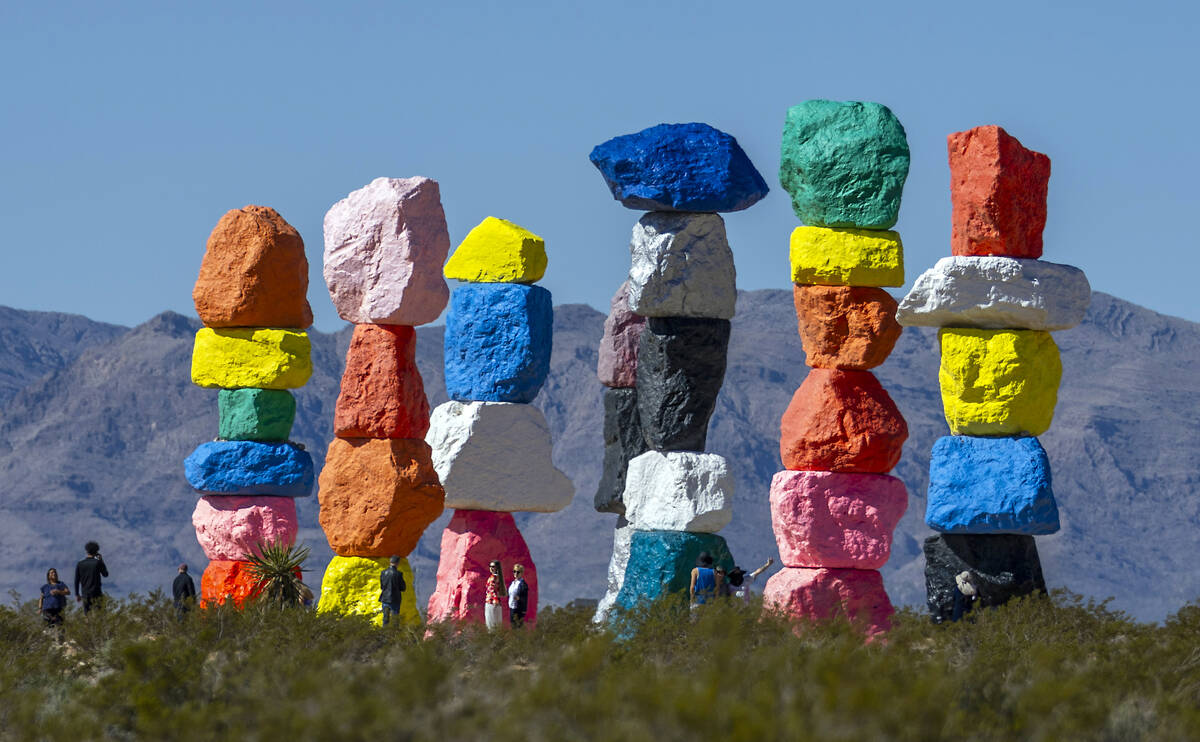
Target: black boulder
1002,567
681,366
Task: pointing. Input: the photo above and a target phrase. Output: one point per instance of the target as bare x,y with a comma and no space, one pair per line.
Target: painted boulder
382,395
679,491
990,485
250,468
623,441
661,562
498,341
255,414
384,248
846,327
846,257
679,167
681,366
498,251
470,542
617,362
260,357
231,528
228,580
856,595
350,587
681,266
1001,566
622,537
837,521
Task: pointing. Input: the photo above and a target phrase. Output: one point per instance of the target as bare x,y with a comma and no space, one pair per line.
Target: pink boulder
229,527
835,520
470,542
384,248
617,367
823,594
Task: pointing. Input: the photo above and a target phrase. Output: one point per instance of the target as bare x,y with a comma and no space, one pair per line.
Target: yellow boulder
498,251
256,357
847,257
351,587
998,382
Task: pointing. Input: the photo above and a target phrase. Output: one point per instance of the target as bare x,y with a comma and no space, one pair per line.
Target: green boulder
844,163
255,414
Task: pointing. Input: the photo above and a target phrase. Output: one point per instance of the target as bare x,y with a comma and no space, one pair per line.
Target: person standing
183,590
518,597
741,580
88,572
391,589
703,586
493,610
53,599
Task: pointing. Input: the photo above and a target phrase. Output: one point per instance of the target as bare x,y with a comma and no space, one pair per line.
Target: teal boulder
255,414
661,562
844,164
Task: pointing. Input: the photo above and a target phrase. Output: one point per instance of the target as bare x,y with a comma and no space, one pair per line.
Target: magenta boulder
229,528
470,542
822,594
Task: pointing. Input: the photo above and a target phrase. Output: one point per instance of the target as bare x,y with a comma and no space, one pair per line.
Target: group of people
709,582
89,574
392,588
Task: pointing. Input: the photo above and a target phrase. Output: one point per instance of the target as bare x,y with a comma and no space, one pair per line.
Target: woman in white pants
493,609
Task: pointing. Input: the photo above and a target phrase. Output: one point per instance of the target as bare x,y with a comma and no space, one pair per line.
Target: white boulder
622,537
679,491
997,293
682,267
496,456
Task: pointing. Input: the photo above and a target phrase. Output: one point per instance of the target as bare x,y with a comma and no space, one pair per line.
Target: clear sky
130,127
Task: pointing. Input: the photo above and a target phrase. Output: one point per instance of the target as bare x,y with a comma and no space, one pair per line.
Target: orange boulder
841,421
228,580
847,327
254,273
382,392
378,496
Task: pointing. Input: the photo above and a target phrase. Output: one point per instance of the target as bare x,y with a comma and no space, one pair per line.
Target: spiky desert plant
276,570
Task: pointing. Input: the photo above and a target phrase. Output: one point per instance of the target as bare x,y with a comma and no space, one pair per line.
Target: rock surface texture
997,293
856,595
377,496
998,382
997,194
250,468
679,167
823,519
382,395
681,366
990,485
350,587
384,248
846,327
617,363
255,414
231,528
844,163
661,562
846,257
228,581
681,267
498,251
679,491
470,542
841,421
496,456
254,273
623,441
263,358
498,342
1002,567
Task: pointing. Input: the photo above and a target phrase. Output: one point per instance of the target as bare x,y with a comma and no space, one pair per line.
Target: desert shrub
1046,668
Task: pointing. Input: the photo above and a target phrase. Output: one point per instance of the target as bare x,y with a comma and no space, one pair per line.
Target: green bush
1042,668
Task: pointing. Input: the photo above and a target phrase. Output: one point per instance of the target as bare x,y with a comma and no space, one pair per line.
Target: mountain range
96,419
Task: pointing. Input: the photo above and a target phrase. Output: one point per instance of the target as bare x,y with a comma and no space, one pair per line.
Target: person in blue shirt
704,585
54,599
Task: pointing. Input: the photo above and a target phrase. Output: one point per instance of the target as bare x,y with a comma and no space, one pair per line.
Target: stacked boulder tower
251,296
384,248
996,304
664,372
491,446
834,507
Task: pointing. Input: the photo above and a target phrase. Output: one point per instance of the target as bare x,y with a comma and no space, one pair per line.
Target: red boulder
382,393
841,421
998,194
848,327
228,580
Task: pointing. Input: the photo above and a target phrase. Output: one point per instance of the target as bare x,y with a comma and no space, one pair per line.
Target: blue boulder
661,562
497,342
679,167
250,468
990,485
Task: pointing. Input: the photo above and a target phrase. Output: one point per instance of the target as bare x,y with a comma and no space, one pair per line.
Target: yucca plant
276,570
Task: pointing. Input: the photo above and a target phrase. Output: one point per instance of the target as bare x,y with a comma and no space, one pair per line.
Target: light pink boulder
822,594
617,366
229,527
835,520
384,248
470,542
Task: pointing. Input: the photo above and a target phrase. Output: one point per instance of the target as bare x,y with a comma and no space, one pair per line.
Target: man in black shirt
391,589
88,572
184,591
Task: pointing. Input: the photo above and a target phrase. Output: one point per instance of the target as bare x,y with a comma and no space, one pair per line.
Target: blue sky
129,128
